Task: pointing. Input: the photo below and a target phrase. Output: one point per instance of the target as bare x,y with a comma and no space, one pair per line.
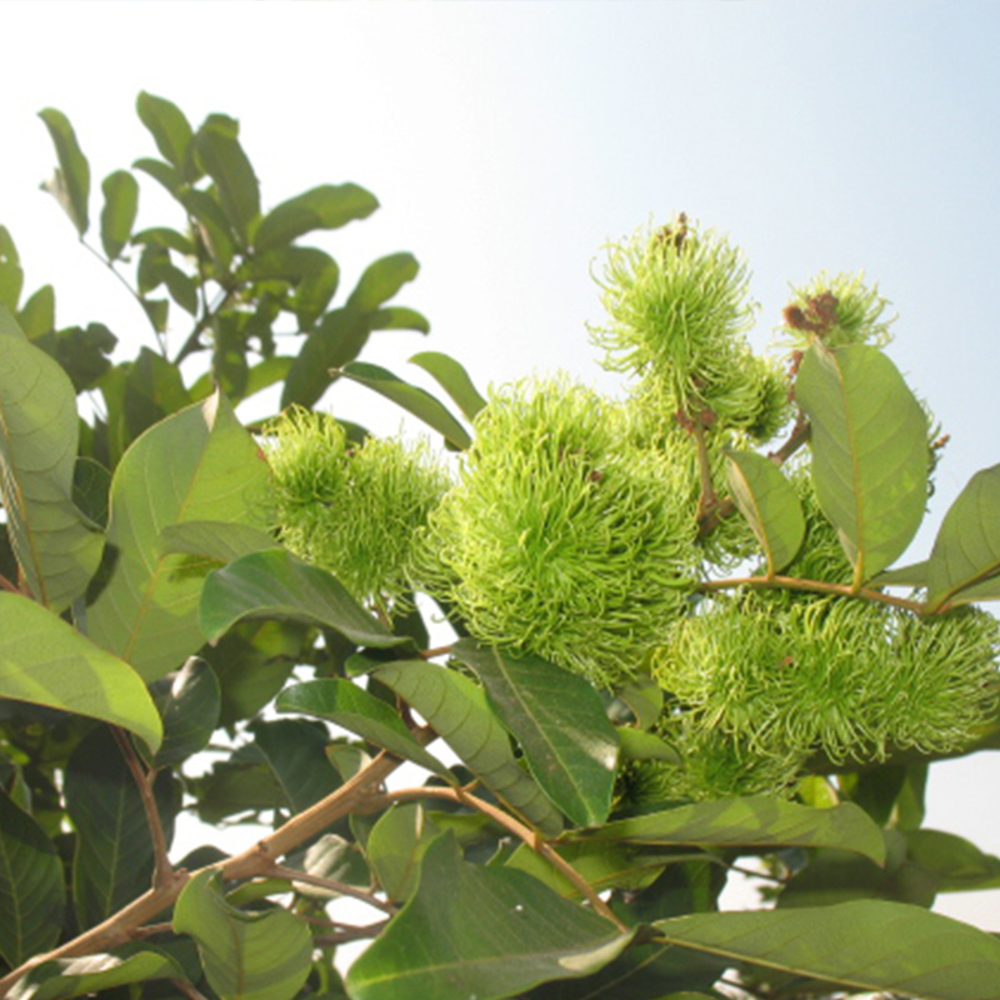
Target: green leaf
965,561
870,456
71,183
121,202
456,709
220,541
483,932
11,274
644,698
639,745
214,229
338,339
914,575
198,464
45,661
73,977
759,821
353,709
168,126
956,864
246,956
295,752
37,317
382,280
400,318
411,398
220,153
32,896
863,945
327,207
169,239
39,434
769,502
314,273
397,843
114,857
91,485
274,584
162,172
454,379
559,720
189,704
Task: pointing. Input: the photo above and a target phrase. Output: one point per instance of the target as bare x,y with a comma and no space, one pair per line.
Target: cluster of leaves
150,611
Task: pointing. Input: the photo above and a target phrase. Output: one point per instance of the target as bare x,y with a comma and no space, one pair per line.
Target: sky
509,142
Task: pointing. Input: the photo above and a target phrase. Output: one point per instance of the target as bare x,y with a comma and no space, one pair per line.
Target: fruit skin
563,537
353,510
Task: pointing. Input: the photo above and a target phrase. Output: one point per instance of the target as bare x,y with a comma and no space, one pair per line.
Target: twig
162,869
348,933
814,587
522,832
190,991
365,896
429,654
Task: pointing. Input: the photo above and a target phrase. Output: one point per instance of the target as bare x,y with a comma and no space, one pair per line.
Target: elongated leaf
400,318
381,280
164,237
220,541
295,752
411,398
559,720
161,172
37,317
114,858
966,553
168,126
121,202
32,896
914,575
639,745
956,864
483,932
58,552
199,464
759,821
864,945
45,661
246,956
71,184
355,710
219,150
327,207
454,379
397,843
870,455
61,978
338,339
769,502
189,705
11,274
458,712
274,584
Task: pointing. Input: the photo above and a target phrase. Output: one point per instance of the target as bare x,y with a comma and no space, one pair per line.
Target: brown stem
522,832
429,654
5,584
144,780
365,896
191,992
347,934
258,860
813,587
798,437
709,500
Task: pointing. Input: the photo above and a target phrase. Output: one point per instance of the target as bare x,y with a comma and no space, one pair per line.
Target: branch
813,587
522,832
365,896
162,869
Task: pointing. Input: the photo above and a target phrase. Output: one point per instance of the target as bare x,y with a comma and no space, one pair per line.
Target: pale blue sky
508,141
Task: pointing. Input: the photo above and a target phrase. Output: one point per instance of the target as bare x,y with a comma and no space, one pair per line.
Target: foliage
675,640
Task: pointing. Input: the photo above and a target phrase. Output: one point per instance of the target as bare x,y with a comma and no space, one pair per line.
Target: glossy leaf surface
864,945
196,465
73,977
759,821
870,454
769,502
32,896
246,956
559,720
411,398
57,550
482,932
355,710
966,554
458,712
274,584
48,662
